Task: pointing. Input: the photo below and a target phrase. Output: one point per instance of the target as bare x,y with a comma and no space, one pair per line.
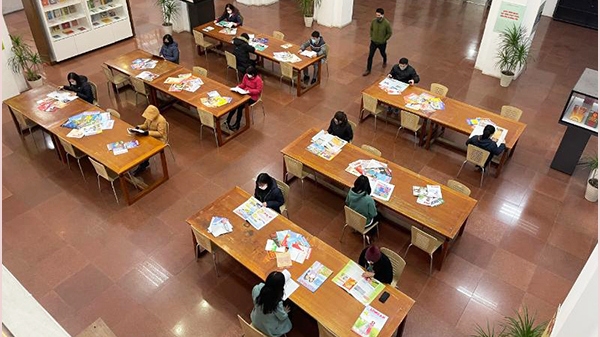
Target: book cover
369,323
350,279
314,276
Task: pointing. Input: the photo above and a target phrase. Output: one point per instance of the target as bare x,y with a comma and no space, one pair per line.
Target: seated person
269,315
359,199
377,265
340,127
242,52
169,50
254,85
316,43
155,125
231,14
80,85
404,72
485,142
267,192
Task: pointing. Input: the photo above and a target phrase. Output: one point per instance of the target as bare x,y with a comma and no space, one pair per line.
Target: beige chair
285,190
101,171
278,35
25,124
425,242
202,242
457,186
296,169
359,223
249,330
511,112
325,62
207,119
113,113
353,127
371,149
94,92
411,122
117,80
75,153
476,156
370,105
140,88
324,332
232,63
438,89
203,44
398,264
287,71
262,105
199,71
169,144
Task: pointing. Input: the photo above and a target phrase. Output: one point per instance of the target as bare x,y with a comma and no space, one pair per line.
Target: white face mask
229,11
264,187
314,40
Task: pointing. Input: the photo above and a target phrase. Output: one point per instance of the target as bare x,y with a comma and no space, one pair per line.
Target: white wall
334,13
9,6
12,84
549,7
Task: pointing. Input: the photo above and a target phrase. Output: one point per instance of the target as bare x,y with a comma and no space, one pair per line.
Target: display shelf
109,20
582,112
60,35
104,8
48,8
65,19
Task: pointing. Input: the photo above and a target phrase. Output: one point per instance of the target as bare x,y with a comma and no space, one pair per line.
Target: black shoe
139,170
367,72
306,78
384,64
314,80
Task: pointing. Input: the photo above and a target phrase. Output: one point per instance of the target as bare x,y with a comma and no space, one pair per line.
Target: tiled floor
83,257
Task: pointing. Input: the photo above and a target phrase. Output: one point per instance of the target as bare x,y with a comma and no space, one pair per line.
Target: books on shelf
219,226
350,279
314,276
255,213
370,322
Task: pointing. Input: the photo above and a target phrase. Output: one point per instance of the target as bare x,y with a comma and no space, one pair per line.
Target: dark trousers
372,48
238,115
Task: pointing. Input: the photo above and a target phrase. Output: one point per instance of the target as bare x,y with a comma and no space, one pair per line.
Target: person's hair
75,77
341,117
263,178
380,11
232,7
403,60
488,131
251,71
315,34
245,36
272,292
361,185
169,38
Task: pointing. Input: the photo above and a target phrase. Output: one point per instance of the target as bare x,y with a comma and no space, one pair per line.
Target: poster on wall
510,14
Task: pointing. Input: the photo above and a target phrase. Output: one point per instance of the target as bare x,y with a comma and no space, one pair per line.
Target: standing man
381,31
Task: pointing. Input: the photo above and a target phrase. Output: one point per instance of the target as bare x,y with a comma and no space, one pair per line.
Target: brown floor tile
477,314
144,280
82,288
498,295
523,245
61,265
549,286
511,269
118,257
571,241
560,262
112,305
474,250
446,302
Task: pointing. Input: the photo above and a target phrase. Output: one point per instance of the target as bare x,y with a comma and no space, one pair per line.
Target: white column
182,21
12,84
9,6
334,13
257,2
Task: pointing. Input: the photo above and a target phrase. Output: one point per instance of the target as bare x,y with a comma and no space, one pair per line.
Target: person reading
79,84
484,141
269,315
232,15
376,264
340,127
404,72
267,192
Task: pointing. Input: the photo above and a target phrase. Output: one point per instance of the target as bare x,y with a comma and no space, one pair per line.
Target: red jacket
253,85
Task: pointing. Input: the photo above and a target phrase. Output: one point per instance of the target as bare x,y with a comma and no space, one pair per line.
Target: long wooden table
274,45
453,117
447,220
167,69
330,305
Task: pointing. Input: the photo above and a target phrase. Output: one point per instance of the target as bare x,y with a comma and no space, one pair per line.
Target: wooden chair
249,330
75,153
353,126
117,80
202,242
232,63
94,92
25,124
262,105
425,242
476,156
113,113
411,122
438,89
457,186
371,149
359,223
201,43
207,119
278,35
199,71
285,189
110,176
511,112
325,62
398,264
287,71
139,87
324,332
169,144
296,169
370,105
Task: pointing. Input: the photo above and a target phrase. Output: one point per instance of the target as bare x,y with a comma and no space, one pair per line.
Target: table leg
58,148
125,190
319,68
165,177
362,110
298,86
513,149
284,171
219,131
153,97
12,114
430,131
462,228
445,248
401,327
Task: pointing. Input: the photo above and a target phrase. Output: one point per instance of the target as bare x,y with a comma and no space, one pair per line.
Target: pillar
334,13
12,84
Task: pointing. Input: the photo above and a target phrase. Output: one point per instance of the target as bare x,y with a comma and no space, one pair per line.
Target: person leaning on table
79,84
404,72
242,52
377,265
231,14
316,43
340,127
169,50
267,192
359,199
155,125
269,315
485,142
254,85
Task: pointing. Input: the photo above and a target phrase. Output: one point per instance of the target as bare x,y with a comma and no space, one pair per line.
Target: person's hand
60,87
411,82
215,21
264,204
299,51
287,309
389,75
368,274
145,133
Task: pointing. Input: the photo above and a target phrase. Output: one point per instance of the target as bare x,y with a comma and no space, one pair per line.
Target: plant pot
308,21
35,84
591,191
167,28
505,79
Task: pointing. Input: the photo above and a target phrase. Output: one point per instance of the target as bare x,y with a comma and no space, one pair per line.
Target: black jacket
404,75
383,269
342,131
272,195
234,17
84,91
242,52
488,145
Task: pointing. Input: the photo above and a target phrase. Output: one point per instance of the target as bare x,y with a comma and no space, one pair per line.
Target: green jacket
380,31
363,204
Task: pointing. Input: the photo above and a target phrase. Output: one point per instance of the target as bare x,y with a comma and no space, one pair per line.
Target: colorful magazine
314,276
392,86
147,76
350,279
370,322
255,213
381,190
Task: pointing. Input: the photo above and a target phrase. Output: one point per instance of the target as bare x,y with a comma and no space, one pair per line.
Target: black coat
83,91
272,195
488,145
383,269
404,75
342,131
242,52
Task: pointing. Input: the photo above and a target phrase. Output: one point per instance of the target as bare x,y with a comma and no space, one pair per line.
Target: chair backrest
113,113
199,71
94,92
249,330
203,240
371,149
108,73
206,118
511,112
198,38
369,103
278,35
287,70
423,241
325,51
293,166
167,133
457,186
409,120
353,126
398,264
231,61
138,85
324,332
355,219
68,148
439,89
476,155
100,169
285,190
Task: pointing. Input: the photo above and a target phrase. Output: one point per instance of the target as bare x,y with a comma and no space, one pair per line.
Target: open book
350,279
240,90
255,213
499,136
290,285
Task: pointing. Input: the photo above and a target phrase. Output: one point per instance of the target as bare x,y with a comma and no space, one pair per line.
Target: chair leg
430,264
201,127
375,116
461,167
214,256
482,173
34,142
197,251
112,184
171,150
68,164
343,230
365,236
80,169
415,145
407,248
398,132
216,138
99,188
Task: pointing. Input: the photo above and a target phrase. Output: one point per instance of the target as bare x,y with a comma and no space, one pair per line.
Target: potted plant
523,325
513,52
591,190
25,61
308,10
170,10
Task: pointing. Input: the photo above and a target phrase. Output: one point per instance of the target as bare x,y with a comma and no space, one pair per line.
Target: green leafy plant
521,325
24,60
170,10
513,51
592,163
308,6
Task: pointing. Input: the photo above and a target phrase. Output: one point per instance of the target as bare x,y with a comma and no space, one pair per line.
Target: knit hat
151,112
373,254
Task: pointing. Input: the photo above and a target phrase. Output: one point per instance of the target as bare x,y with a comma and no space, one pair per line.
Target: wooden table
123,63
274,46
330,305
447,220
453,117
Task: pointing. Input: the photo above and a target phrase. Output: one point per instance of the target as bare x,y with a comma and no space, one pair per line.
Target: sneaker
367,72
314,80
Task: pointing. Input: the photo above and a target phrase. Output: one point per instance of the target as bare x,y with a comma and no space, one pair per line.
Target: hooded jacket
272,195
342,131
242,52
409,73
83,88
170,52
488,145
155,124
362,203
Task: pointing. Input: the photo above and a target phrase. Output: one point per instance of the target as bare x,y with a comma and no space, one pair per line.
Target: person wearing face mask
231,14
340,127
242,52
169,50
316,43
80,85
404,72
267,192
377,265
381,31
254,85
155,125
